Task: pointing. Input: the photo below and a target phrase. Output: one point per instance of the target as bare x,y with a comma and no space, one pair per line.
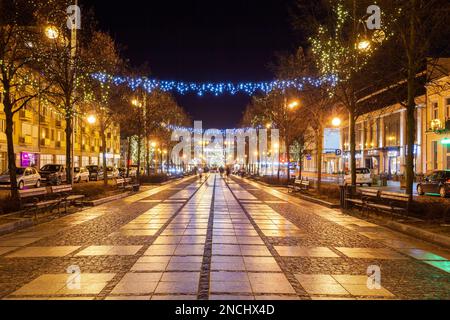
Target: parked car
80,174
53,174
112,172
95,172
26,177
132,172
438,182
363,176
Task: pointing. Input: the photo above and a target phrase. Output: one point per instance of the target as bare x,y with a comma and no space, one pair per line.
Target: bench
395,203
300,185
65,197
362,198
35,199
125,183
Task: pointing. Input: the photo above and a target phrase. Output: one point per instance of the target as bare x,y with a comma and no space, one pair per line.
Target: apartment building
437,125
39,139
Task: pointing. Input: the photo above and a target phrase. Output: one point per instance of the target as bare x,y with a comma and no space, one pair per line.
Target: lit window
435,110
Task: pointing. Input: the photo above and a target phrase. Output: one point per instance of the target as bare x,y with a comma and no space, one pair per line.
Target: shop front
373,161
28,159
393,161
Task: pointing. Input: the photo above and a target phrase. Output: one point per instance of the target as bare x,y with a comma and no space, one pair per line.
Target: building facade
381,140
39,139
437,125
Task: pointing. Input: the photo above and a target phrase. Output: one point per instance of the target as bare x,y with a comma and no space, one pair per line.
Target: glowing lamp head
293,105
336,122
364,45
91,119
52,32
153,144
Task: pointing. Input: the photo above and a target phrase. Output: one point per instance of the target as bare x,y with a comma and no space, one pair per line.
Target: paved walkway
217,240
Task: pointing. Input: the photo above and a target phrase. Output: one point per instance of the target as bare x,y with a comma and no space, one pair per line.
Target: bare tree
19,80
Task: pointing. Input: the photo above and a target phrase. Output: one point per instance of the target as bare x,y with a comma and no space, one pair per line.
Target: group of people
226,171
199,171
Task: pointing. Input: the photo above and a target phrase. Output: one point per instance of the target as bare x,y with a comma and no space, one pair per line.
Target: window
45,159
434,147
2,125
435,111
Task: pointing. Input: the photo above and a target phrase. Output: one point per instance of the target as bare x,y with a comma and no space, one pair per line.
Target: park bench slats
377,200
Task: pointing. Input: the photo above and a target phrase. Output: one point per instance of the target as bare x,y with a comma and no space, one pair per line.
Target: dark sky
196,40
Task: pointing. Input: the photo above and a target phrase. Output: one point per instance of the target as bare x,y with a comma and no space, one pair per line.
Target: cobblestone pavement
217,239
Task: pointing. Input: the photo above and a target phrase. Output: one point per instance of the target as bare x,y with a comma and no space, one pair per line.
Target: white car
363,176
26,177
80,175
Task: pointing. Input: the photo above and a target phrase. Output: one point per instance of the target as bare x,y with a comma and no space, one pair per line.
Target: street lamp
364,45
293,105
336,122
268,126
51,32
91,119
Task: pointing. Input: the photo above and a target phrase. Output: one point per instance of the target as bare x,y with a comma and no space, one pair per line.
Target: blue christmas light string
214,88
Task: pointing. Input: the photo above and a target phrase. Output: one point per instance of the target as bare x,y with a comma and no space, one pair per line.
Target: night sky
201,41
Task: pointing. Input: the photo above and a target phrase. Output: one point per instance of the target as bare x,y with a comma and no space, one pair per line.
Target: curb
15,226
98,202
417,233
318,201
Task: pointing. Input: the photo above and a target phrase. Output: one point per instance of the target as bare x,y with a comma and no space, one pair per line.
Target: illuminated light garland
249,88
224,132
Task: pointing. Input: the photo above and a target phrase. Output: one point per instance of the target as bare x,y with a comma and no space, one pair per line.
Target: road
216,240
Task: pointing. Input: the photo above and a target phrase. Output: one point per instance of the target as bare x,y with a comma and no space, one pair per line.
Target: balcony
438,126
26,140
25,115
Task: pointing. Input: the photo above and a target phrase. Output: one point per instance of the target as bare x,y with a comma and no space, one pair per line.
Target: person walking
228,172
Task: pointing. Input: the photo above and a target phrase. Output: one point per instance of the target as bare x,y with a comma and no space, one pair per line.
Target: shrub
154,178
273,180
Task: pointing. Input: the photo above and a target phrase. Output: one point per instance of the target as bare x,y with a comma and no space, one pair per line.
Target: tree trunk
139,158
105,172
300,166
11,154
69,129
411,105
288,159
147,156
353,147
129,157
319,157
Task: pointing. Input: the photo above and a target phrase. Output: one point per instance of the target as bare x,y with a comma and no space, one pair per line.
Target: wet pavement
217,240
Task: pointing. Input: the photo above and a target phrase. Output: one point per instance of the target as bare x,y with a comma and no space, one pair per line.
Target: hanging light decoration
214,88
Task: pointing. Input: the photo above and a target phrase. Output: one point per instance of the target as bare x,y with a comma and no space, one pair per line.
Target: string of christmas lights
214,88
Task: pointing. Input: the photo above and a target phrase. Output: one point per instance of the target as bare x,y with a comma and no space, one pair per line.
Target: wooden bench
35,199
65,196
363,198
126,184
393,202
300,185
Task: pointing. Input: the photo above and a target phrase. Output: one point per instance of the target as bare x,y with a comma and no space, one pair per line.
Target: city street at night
216,240
233,159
